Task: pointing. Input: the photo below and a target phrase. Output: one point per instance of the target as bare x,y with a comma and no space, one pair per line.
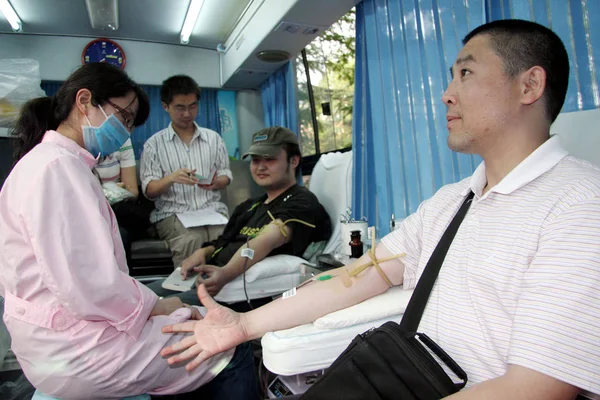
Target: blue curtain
280,100
50,87
158,119
208,113
403,51
572,20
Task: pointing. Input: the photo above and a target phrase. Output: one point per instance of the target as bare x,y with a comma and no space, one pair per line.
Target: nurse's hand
170,304
220,330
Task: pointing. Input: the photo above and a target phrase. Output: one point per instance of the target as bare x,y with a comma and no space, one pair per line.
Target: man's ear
533,84
295,161
165,106
83,100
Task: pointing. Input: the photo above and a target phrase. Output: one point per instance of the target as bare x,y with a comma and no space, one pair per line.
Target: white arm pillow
393,302
280,264
261,288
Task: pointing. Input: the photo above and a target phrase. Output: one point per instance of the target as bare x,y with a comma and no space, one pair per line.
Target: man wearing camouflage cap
276,157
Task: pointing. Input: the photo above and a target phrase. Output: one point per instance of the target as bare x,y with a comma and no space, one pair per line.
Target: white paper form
201,218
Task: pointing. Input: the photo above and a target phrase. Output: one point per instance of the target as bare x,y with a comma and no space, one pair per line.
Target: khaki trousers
184,241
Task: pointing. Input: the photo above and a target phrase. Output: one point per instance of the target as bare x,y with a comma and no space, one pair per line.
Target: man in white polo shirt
517,301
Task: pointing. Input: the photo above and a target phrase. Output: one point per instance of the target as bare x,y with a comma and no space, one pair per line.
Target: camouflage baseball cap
267,142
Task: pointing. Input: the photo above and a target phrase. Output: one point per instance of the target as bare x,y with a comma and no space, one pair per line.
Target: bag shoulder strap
418,301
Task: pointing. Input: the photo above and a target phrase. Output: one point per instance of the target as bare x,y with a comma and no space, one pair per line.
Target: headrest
331,182
579,133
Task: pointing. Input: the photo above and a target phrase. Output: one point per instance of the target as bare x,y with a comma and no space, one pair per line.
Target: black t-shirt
250,217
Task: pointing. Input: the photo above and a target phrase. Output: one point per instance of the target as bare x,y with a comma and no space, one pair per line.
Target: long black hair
39,115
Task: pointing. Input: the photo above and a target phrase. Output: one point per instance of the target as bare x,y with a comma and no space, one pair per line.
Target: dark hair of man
525,44
39,115
176,85
292,149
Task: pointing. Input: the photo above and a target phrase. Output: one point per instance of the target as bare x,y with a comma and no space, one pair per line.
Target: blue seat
41,396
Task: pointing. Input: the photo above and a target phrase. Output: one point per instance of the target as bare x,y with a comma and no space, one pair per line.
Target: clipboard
174,281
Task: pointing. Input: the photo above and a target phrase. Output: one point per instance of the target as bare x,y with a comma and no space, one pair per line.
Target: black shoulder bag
394,361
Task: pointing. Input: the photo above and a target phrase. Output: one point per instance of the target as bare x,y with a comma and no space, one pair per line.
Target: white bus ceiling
55,32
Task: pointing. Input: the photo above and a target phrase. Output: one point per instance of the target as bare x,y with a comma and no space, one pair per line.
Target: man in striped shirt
517,301
170,161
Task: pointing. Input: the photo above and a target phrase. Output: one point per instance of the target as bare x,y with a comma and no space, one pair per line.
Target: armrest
269,277
392,302
280,264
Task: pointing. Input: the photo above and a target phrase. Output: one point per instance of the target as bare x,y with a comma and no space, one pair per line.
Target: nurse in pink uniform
81,327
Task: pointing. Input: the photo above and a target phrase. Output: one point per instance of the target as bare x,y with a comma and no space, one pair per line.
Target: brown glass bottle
356,245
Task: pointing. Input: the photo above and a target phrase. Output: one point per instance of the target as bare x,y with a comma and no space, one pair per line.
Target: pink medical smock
79,323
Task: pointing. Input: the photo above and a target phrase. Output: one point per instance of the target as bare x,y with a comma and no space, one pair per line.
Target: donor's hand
190,264
220,330
212,277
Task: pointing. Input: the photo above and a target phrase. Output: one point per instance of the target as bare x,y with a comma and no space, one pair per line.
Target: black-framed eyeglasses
128,118
191,108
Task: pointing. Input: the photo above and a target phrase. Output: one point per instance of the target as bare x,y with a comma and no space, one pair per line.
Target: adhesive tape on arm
248,253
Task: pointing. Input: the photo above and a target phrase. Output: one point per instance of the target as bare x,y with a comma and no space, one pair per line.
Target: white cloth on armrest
233,292
392,302
307,348
280,264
